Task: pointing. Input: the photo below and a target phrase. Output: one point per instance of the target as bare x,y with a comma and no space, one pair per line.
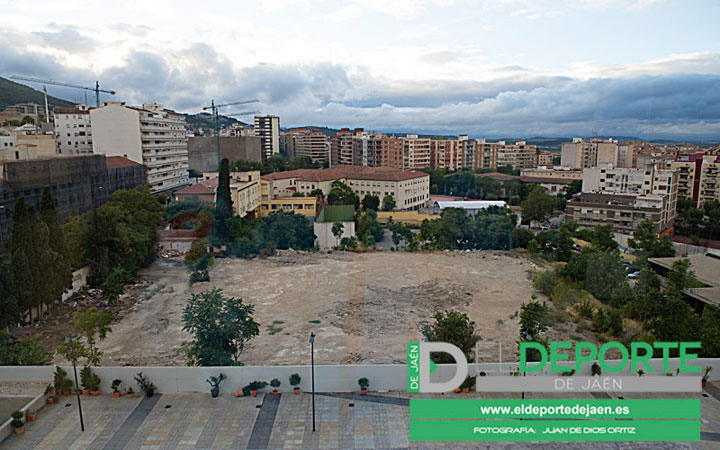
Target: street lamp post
312,369
77,386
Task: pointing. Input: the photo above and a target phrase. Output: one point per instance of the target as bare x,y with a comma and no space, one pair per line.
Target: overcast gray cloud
518,102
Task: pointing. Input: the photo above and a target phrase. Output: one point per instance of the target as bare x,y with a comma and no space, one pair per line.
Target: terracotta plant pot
363,391
458,390
239,393
116,395
67,392
51,401
129,395
32,418
86,391
95,393
275,392
704,383
20,430
296,389
253,393
466,390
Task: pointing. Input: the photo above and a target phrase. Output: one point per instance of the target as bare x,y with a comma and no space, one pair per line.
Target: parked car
633,275
632,269
577,247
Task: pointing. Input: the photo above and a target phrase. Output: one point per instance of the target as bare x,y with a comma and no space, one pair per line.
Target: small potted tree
275,383
17,423
467,384
31,415
706,376
214,383
85,379
255,386
67,386
116,388
294,381
94,384
364,383
145,385
58,378
641,372
129,393
50,394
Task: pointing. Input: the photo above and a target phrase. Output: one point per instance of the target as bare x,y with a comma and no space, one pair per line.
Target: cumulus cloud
649,100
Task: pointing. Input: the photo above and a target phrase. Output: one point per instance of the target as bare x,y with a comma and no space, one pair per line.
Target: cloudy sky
493,68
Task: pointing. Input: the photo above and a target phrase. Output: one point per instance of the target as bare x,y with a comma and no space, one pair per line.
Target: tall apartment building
581,153
447,153
486,154
150,135
367,149
309,143
268,129
416,152
545,158
391,152
342,151
73,134
519,155
698,177
624,197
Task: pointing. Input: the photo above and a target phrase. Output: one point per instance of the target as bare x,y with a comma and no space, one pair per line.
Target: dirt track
363,308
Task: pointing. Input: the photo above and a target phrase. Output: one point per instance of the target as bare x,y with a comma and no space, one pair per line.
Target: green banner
554,430
555,409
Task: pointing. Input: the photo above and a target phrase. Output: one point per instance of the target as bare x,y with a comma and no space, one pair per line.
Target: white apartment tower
73,135
268,129
150,135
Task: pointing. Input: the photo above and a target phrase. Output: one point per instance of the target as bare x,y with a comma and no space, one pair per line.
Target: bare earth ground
364,308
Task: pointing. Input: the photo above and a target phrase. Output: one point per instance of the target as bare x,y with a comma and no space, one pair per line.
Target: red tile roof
113,162
356,172
204,187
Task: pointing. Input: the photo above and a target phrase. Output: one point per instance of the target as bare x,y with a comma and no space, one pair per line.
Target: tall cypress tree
223,204
9,309
61,272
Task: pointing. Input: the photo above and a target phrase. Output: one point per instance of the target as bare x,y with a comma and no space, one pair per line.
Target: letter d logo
425,367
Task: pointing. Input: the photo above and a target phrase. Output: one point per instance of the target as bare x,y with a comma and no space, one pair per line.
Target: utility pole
216,120
312,366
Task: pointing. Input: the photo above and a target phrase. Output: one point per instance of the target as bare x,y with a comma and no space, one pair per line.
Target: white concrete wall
116,132
325,238
328,378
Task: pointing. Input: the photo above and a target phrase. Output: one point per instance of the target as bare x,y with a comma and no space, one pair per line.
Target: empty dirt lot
364,308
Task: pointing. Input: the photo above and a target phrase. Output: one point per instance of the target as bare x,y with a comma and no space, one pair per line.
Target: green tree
317,192
93,327
27,120
545,281
371,202
289,230
367,225
114,286
220,326
388,203
223,205
573,188
337,230
533,324
9,308
603,238
454,328
647,243
60,276
537,206
604,273
341,194
674,320
28,352
680,277
710,336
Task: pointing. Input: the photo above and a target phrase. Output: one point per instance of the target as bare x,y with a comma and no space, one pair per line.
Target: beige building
555,174
545,158
409,188
73,134
416,152
310,143
150,135
519,155
622,212
697,177
245,192
581,153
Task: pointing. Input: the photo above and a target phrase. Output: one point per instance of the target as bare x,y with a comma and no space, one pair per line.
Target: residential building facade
73,133
149,135
268,129
310,143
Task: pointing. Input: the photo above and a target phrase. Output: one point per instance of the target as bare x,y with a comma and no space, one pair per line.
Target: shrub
585,309
545,281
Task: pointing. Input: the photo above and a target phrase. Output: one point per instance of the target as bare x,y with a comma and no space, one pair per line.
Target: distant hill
12,93
205,121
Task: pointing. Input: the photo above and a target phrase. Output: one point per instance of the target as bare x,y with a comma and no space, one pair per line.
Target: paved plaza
197,421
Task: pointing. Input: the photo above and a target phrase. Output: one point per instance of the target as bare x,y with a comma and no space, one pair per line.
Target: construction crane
57,83
214,108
